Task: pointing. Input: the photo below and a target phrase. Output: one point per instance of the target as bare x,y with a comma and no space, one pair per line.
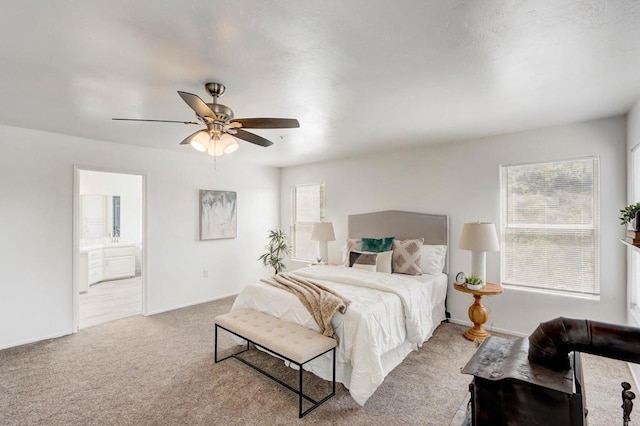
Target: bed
390,315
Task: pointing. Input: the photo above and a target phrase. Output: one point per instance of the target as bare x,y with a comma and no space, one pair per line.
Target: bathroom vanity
105,261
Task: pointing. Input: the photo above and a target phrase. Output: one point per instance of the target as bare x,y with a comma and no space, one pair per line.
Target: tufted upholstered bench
287,340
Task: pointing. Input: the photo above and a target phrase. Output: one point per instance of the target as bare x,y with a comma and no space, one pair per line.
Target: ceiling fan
218,119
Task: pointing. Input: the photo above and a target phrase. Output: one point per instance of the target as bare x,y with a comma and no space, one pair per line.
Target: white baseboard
186,305
159,311
34,340
488,328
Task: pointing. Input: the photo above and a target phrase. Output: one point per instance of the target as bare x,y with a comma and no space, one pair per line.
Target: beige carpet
159,370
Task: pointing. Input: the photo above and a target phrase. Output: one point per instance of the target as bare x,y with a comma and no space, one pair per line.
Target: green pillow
377,245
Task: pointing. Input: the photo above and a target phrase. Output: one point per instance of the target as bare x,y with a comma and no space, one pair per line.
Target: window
308,208
551,226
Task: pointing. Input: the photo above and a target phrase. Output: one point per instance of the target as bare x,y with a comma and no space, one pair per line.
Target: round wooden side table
477,313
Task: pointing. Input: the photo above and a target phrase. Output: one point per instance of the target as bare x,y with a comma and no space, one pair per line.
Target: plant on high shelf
474,283
277,249
629,215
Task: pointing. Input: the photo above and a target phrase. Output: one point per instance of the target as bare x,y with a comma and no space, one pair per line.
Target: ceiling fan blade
157,121
267,123
253,138
197,104
188,139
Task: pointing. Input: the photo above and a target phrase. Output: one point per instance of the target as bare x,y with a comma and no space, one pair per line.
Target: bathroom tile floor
110,300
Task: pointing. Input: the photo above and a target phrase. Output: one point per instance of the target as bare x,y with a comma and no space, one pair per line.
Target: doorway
108,246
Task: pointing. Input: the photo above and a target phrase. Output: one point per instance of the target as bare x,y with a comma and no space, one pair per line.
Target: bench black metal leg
298,391
323,400
334,371
215,349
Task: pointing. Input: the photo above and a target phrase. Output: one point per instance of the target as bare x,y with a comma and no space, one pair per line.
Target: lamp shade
479,236
323,231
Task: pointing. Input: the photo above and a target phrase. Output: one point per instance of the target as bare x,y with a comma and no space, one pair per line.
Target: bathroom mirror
100,216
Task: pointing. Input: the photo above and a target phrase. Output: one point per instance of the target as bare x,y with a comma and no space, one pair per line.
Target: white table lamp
479,237
323,232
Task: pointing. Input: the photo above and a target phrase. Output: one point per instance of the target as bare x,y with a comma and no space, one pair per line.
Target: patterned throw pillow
366,261
406,256
383,262
352,244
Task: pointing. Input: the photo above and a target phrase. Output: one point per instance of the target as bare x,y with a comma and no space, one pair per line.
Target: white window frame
313,246
594,226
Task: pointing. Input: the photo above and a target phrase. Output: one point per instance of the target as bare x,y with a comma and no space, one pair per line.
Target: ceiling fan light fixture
229,144
215,149
201,142
215,139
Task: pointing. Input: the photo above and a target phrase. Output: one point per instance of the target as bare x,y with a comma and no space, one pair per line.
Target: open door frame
76,237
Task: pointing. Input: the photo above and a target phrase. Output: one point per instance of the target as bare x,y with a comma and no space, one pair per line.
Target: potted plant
474,283
629,215
277,249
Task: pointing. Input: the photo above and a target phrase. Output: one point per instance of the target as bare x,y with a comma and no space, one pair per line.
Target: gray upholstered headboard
434,228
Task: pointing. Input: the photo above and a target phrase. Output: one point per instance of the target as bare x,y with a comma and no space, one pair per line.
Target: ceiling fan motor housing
222,112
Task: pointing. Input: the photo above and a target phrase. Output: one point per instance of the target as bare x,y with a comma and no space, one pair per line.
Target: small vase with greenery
629,214
277,249
474,282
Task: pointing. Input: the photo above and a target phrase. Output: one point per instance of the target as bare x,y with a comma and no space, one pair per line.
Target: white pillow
432,259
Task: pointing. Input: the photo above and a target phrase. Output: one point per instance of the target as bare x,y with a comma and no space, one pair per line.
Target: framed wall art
218,214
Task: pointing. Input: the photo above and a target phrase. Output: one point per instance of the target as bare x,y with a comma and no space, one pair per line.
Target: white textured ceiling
359,75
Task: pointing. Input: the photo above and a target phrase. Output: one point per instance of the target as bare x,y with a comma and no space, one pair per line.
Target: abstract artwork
217,214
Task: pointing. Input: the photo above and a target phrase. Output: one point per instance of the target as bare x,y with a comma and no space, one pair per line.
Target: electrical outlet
205,273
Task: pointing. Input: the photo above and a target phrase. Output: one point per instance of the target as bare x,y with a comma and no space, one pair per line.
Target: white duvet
389,316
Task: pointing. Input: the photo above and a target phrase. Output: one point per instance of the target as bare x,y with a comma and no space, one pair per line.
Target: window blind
308,208
550,226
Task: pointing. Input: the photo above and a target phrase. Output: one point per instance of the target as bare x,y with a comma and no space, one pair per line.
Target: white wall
129,188
36,188
462,180
633,139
